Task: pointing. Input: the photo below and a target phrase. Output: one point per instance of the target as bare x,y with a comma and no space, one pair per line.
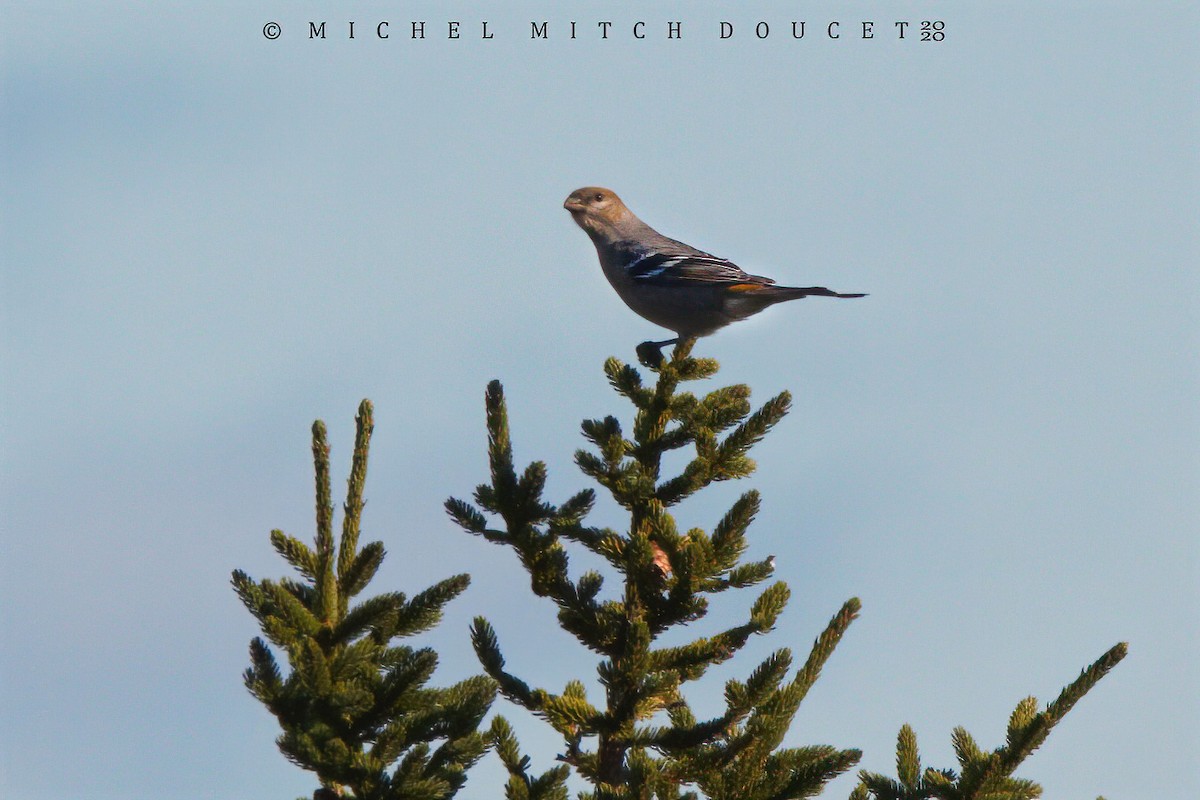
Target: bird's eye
598,197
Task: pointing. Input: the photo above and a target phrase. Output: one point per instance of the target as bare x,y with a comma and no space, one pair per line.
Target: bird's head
597,210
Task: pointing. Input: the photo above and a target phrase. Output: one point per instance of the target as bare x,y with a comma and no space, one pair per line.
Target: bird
687,291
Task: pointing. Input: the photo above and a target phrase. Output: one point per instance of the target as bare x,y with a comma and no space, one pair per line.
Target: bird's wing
675,269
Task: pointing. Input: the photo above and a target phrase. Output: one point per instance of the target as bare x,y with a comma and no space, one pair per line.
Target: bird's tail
796,292
743,299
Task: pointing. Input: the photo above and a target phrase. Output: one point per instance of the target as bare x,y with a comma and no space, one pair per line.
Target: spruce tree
642,740
984,775
355,708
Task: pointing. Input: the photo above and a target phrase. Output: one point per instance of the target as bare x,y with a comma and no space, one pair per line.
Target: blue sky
211,239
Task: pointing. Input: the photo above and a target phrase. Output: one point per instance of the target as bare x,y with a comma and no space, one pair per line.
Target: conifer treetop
984,775
355,708
647,741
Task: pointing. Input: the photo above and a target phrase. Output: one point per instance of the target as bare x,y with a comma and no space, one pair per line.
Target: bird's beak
573,204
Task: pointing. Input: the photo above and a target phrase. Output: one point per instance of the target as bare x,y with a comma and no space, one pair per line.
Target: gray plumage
672,284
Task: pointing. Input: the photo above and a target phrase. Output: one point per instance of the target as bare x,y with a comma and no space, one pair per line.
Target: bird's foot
650,353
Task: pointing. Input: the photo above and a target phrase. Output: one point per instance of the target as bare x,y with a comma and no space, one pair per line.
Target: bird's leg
650,353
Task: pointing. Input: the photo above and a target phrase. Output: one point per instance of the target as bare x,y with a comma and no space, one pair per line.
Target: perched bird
685,290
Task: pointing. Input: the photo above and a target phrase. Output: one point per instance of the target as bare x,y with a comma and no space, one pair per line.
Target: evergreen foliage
642,739
355,708
984,775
